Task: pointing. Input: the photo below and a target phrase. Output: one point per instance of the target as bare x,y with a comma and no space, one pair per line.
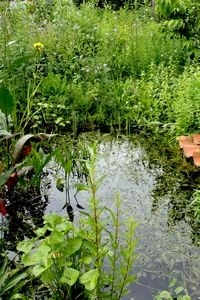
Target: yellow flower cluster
38,46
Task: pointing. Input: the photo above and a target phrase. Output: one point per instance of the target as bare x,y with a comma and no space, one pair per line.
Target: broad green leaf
89,279
53,220
25,246
6,101
65,226
56,237
40,257
70,276
72,245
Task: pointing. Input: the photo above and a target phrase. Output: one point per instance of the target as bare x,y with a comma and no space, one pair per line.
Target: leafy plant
165,295
90,260
11,282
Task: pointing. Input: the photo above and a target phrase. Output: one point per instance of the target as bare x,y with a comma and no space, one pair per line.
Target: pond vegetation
92,89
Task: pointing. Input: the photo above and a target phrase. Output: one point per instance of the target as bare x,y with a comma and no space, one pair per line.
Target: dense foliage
118,65
69,67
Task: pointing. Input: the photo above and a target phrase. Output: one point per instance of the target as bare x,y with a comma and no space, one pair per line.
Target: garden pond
156,185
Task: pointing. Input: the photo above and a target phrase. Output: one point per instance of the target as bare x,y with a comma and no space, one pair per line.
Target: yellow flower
39,46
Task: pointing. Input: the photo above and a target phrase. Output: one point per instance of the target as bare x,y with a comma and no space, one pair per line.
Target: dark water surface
153,193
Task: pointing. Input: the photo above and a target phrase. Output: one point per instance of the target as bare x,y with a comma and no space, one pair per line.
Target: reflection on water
165,247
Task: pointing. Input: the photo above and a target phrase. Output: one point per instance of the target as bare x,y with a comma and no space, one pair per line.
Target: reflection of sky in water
164,253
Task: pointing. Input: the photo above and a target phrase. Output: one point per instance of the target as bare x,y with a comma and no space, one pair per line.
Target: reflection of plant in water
72,159
175,181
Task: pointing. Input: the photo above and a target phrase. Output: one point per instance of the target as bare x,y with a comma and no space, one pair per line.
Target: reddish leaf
3,210
190,149
26,150
196,158
12,181
185,140
196,139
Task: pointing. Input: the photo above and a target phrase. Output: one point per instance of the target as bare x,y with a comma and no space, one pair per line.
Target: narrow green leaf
179,289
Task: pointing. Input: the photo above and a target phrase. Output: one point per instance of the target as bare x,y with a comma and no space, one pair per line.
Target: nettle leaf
73,245
25,246
6,101
70,276
89,279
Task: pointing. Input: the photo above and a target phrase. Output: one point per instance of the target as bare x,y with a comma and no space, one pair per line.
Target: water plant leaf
73,245
51,220
25,246
89,279
6,101
70,276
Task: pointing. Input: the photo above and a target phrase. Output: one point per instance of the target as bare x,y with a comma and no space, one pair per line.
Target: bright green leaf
70,276
25,246
72,245
89,279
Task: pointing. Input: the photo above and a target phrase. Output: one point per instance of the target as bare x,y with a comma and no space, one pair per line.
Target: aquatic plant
87,260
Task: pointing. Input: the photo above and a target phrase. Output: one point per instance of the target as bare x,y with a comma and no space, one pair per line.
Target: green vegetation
69,66
66,67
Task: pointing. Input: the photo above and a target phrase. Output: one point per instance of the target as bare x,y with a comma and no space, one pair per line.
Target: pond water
155,193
